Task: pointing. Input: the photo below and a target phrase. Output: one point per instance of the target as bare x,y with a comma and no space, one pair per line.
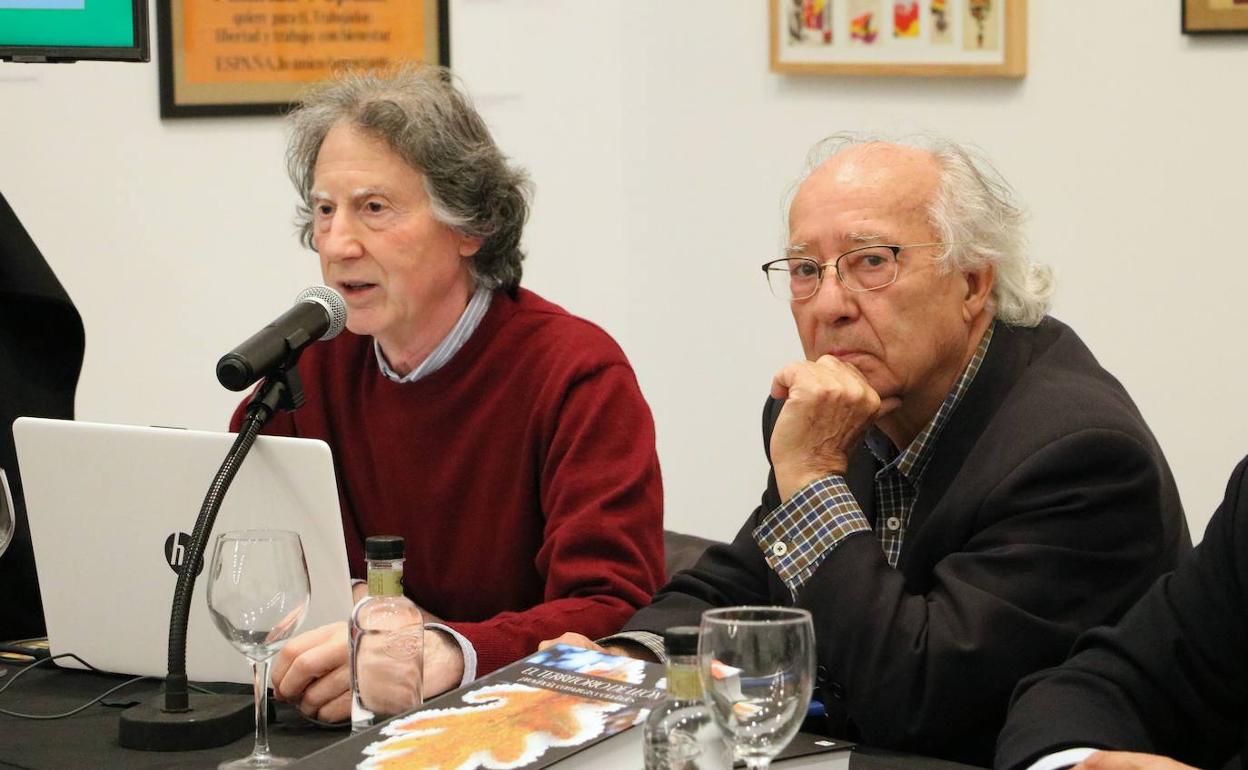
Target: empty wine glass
757,665
8,516
257,595
8,520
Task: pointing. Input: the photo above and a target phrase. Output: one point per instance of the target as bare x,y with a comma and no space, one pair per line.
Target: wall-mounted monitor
71,30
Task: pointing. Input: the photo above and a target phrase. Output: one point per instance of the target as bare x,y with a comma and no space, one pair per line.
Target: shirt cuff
1067,758
651,641
796,537
465,647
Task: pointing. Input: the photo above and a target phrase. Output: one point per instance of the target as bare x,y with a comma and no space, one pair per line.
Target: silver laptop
111,509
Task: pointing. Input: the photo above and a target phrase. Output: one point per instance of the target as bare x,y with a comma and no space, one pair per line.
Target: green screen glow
93,23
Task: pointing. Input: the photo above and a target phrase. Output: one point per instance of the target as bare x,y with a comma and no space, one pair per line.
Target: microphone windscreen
334,305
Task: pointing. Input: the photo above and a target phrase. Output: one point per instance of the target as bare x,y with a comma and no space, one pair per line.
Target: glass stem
260,679
758,763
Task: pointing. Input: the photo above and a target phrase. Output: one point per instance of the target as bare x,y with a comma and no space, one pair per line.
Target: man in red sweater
504,438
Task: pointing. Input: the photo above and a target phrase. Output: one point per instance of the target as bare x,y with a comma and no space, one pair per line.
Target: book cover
526,715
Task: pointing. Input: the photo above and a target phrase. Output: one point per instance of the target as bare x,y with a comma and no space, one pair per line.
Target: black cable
18,673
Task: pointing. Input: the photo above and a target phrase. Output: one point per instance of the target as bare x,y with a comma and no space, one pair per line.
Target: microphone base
213,720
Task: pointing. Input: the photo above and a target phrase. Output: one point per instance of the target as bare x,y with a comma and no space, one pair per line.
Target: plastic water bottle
387,640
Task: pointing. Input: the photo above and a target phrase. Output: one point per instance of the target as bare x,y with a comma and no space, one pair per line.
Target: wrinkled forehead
366,157
876,180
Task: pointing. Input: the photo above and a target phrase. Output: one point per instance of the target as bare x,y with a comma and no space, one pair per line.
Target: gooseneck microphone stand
181,720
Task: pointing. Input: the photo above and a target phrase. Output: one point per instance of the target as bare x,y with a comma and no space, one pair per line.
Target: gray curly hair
974,210
421,114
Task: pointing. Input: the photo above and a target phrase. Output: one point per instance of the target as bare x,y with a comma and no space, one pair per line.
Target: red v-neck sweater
523,475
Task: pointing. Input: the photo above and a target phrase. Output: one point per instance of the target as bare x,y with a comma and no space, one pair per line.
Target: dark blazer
41,347
1047,508
1171,679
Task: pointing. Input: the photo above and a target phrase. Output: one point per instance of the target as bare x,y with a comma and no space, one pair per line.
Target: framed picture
1204,16
255,57
976,38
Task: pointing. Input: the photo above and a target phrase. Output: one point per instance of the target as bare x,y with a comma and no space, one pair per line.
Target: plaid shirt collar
912,462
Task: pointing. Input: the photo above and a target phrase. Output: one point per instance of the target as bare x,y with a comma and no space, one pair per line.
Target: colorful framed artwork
255,57
1214,16
976,38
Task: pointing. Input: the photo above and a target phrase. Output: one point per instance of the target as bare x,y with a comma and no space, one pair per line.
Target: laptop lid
111,509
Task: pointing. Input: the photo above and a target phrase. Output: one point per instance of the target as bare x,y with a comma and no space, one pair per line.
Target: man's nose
833,302
339,240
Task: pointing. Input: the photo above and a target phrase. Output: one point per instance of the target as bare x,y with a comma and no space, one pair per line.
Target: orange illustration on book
514,724
503,726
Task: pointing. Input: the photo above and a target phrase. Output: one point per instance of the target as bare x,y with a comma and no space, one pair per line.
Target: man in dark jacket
958,489
1171,678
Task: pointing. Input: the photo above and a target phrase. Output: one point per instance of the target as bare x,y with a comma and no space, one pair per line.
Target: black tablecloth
89,739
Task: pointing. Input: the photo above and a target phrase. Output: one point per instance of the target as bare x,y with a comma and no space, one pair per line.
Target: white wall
659,142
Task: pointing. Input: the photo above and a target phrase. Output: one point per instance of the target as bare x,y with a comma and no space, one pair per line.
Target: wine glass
8,520
8,516
757,666
257,595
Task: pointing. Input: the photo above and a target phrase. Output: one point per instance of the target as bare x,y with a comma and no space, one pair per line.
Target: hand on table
1122,760
637,651
313,671
828,408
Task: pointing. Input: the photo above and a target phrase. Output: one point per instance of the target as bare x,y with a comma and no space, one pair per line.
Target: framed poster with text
254,57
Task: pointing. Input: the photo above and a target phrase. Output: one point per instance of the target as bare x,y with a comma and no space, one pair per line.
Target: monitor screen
69,30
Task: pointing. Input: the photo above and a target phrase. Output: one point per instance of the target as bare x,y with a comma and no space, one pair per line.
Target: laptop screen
111,509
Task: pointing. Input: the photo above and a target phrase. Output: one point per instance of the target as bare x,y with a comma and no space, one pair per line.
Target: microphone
319,313
181,719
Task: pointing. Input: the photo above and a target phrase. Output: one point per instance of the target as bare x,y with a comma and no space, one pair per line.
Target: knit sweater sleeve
601,494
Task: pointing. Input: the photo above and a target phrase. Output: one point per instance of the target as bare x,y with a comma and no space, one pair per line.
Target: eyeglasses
863,269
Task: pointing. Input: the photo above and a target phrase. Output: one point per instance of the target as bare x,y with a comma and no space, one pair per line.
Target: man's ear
979,283
468,245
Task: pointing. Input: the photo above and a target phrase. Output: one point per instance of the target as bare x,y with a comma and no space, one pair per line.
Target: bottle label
385,582
683,683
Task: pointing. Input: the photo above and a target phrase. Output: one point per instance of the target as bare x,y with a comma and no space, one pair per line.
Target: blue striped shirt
449,346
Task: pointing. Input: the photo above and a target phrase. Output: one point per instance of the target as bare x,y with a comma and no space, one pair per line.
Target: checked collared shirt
797,536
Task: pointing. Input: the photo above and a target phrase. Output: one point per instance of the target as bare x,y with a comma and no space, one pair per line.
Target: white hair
974,211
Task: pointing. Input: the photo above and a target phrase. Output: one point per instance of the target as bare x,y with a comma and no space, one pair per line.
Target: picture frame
255,58
1206,17
911,38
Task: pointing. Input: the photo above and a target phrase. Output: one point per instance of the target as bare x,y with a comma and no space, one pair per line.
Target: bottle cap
384,547
681,640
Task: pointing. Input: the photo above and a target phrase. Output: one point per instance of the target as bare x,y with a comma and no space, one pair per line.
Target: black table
89,739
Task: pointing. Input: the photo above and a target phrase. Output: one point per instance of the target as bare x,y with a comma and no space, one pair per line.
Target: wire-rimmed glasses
866,268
